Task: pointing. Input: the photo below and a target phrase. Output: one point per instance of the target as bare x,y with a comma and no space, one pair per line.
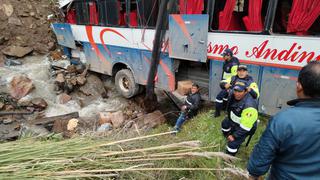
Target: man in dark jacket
291,142
241,119
190,107
227,84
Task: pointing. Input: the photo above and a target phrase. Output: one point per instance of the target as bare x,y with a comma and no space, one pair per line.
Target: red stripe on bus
94,45
183,26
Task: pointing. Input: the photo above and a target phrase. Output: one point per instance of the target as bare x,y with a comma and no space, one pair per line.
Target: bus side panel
165,77
277,87
98,59
64,35
215,78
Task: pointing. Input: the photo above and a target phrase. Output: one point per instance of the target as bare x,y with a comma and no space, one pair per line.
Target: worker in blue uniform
230,67
190,107
242,118
227,85
290,145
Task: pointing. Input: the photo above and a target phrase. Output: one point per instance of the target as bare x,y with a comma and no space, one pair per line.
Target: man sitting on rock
189,108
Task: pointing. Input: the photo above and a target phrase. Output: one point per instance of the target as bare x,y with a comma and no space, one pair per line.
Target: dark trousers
221,99
228,127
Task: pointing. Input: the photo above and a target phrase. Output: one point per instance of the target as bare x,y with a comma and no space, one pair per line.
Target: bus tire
125,83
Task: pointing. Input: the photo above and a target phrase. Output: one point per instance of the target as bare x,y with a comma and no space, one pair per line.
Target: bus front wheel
126,84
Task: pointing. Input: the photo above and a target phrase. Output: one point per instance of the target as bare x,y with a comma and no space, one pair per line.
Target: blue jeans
182,118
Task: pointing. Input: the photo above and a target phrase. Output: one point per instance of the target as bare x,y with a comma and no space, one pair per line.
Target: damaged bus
273,38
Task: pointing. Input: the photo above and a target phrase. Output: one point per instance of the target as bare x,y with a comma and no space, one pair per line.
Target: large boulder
17,51
93,87
151,120
20,86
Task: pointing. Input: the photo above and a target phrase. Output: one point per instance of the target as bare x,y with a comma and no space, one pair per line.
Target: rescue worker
291,142
241,119
230,67
226,85
190,107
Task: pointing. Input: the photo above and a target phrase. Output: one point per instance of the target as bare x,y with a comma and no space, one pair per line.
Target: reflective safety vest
243,112
248,81
230,68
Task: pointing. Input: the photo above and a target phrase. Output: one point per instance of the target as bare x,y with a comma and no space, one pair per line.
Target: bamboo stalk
148,159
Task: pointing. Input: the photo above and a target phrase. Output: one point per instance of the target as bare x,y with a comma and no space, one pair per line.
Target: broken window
86,12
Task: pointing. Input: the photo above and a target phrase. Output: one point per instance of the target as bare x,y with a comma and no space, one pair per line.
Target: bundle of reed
89,157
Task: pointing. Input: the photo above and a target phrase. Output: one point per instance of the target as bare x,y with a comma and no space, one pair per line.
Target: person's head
239,91
227,54
194,88
308,85
242,71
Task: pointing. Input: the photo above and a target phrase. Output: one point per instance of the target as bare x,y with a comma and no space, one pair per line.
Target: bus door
188,36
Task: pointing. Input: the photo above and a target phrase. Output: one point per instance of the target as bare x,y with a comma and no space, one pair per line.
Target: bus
275,39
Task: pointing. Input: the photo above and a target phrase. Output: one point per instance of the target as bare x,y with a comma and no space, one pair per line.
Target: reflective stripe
232,150
227,75
188,102
235,118
226,130
225,99
245,128
219,101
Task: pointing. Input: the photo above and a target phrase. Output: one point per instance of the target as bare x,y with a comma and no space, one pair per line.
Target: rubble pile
25,27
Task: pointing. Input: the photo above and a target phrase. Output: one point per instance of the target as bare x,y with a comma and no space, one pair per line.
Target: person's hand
227,86
249,89
230,138
183,108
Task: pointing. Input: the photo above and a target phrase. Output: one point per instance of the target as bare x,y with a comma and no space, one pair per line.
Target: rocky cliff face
26,23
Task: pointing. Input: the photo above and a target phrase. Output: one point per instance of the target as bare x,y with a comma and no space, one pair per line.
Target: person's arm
265,151
225,84
253,89
196,103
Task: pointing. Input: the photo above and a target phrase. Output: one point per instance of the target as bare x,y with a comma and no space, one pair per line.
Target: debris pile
25,27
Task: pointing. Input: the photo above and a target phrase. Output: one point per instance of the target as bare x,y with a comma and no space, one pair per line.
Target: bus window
109,12
191,6
132,14
239,15
86,12
299,17
147,12
71,16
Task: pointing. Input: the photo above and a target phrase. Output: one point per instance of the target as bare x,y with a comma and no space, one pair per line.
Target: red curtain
227,19
253,21
133,18
191,6
71,16
302,15
93,13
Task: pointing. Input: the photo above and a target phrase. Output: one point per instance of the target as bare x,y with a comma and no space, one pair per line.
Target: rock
117,119
64,98
93,87
51,46
2,40
17,51
7,8
81,80
71,69
14,21
105,127
60,126
32,130
105,117
184,87
39,103
72,124
1,105
7,121
152,120
20,86
23,102
60,78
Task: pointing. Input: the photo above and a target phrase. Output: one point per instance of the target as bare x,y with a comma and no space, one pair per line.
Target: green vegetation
162,156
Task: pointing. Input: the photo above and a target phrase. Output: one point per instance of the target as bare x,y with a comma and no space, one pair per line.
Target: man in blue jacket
291,142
